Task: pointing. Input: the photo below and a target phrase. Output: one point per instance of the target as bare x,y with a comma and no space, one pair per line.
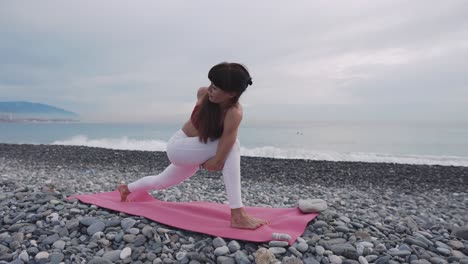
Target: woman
209,140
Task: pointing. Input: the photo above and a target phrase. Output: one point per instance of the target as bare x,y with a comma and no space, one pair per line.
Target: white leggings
186,154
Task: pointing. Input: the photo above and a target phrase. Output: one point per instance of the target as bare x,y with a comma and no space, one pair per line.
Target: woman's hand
213,164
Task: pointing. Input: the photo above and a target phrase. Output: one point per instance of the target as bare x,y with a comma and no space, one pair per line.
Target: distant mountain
34,111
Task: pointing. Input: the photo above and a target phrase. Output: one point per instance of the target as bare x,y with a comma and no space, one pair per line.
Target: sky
143,61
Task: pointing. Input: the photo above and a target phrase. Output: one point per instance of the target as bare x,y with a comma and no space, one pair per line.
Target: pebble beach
377,212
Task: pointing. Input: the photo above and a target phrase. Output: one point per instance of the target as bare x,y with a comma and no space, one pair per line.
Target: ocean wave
279,153
124,143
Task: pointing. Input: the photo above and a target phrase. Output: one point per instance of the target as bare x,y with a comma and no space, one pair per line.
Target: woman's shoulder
201,92
235,111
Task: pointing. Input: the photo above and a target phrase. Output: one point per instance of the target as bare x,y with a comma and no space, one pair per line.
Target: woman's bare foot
240,219
124,192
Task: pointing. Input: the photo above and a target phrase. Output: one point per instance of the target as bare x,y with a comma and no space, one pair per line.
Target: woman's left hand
213,165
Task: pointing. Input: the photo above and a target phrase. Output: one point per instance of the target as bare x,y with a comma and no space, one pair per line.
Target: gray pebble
127,223
220,251
275,243
50,239
295,252
277,250
87,221
95,227
444,251
302,247
363,260
233,246
219,242
113,255
56,257
225,260
99,260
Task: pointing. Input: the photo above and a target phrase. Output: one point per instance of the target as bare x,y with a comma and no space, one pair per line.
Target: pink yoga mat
204,217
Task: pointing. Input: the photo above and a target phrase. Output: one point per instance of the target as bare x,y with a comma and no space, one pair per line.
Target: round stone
363,260
96,227
233,246
302,247
125,253
127,223
56,257
275,243
59,244
113,255
87,221
220,251
277,250
334,259
319,250
42,255
218,242
443,251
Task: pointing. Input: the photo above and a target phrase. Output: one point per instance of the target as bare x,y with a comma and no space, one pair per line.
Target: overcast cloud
310,60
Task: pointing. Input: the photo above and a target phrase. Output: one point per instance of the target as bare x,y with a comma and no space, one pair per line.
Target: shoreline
334,173
376,210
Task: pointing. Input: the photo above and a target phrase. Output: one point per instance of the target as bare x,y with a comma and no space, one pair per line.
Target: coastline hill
21,111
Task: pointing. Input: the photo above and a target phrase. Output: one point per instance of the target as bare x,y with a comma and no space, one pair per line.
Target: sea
389,142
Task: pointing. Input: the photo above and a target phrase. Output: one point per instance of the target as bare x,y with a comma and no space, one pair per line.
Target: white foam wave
279,153
125,143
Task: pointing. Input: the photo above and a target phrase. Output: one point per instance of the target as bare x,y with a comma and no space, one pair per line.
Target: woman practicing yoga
209,140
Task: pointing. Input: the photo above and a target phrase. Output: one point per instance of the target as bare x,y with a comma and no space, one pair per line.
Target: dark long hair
229,77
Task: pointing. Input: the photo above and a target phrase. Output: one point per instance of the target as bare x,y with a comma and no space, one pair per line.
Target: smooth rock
127,223
437,260
50,239
95,227
24,256
125,253
302,247
291,260
99,260
59,244
87,221
277,250
443,250
455,244
400,253
264,256
420,261
56,257
275,243
334,259
219,242
416,242
319,250
225,260
339,249
182,257
363,260
233,246
371,258
458,254
241,257
312,205
113,255
383,260
42,255
221,251
461,232
310,260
